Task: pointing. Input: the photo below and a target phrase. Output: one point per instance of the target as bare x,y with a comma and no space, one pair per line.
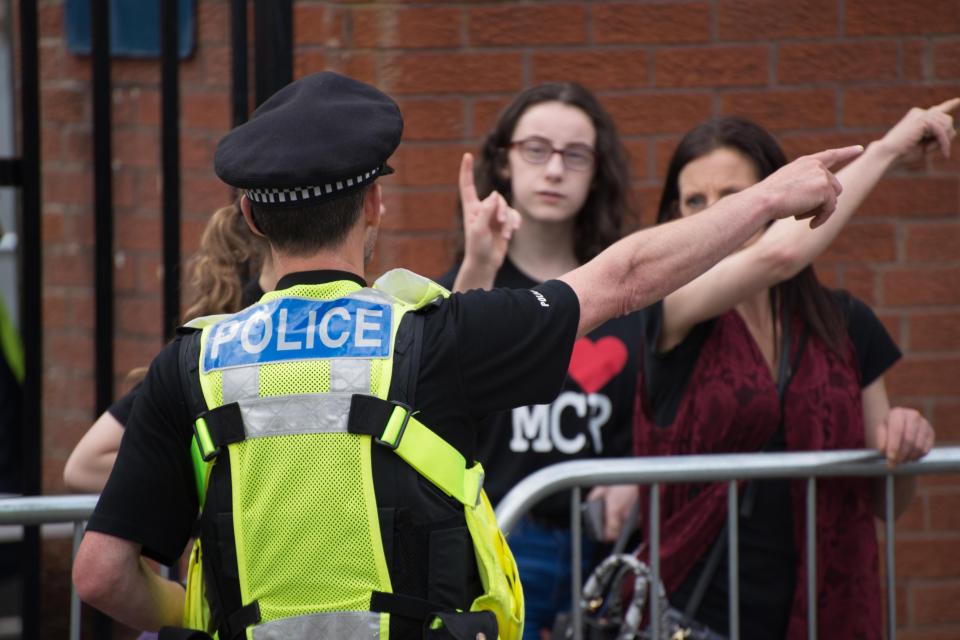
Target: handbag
607,617
605,614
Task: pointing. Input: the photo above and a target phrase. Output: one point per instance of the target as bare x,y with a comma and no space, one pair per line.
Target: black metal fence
273,66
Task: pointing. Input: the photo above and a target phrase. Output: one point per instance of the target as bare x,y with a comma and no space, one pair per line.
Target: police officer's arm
110,575
647,265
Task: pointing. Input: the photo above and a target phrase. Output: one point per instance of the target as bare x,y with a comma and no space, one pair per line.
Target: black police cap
318,138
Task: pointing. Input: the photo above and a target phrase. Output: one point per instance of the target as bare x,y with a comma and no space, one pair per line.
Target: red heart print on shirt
594,364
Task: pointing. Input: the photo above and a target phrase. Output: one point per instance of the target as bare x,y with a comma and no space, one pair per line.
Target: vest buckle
392,435
208,450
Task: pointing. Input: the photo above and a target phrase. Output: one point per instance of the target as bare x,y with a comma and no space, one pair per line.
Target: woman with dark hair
756,355
549,193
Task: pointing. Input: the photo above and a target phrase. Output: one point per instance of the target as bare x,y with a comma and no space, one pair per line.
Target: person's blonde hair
229,255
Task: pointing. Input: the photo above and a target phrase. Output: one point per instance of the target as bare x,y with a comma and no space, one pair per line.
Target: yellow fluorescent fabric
281,523
295,555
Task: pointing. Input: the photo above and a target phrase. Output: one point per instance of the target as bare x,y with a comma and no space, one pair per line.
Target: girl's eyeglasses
537,150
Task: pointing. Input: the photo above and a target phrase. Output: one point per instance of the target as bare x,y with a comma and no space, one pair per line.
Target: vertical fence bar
812,558
273,55
654,527
891,560
103,225
576,553
74,598
238,41
170,161
102,203
733,558
31,319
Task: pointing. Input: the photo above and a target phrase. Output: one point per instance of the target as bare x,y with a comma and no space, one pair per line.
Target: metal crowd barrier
38,510
719,468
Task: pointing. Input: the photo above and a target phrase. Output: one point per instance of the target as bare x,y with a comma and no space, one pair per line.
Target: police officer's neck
338,259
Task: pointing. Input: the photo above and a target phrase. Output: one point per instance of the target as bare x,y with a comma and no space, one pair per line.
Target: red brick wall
816,72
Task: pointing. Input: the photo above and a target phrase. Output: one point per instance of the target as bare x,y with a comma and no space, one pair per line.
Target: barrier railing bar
576,549
654,589
891,560
722,467
35,510
711,468
733,562
74,598
812,558
32,510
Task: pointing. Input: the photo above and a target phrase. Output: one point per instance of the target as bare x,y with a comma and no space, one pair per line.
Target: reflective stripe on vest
343,625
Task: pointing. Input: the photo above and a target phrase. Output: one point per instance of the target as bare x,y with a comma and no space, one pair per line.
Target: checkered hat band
301,194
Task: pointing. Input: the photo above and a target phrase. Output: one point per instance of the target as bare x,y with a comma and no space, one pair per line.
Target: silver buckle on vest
403,427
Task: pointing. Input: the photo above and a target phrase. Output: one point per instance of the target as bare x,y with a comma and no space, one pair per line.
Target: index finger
948,106
468,189
831,157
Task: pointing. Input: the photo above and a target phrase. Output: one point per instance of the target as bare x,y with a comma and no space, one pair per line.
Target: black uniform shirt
482,352
590,418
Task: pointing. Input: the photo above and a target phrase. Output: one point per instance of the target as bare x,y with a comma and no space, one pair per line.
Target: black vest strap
224,424
405,606
179,633
220,574
239,620
369,415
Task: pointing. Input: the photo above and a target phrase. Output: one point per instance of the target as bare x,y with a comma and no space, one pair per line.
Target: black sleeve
665,374
875,349
512,346
150,497
121,408
447,279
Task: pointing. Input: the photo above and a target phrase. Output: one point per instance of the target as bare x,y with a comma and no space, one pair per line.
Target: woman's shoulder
854,310
874,348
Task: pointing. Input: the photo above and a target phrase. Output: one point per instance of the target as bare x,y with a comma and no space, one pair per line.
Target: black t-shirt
666,374
590,417
766,531
482,352
121,408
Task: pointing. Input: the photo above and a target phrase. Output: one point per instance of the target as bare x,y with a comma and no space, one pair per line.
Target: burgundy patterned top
714,393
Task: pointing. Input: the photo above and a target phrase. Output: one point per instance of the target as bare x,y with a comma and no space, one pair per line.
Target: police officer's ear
373,208
248,216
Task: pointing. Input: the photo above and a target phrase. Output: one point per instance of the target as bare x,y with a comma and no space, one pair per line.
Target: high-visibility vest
296,390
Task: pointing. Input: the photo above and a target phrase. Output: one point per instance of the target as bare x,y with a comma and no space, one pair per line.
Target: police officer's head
308,158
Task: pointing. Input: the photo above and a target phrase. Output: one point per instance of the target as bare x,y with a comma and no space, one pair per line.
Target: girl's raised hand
488,224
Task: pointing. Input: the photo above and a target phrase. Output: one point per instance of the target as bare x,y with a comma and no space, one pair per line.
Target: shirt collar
321,276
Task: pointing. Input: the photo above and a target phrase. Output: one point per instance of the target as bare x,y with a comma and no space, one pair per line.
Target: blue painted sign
134,27
300,329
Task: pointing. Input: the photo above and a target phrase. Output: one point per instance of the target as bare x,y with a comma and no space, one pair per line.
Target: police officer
325,435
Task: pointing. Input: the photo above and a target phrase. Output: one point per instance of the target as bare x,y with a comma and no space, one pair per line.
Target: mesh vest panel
305,518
